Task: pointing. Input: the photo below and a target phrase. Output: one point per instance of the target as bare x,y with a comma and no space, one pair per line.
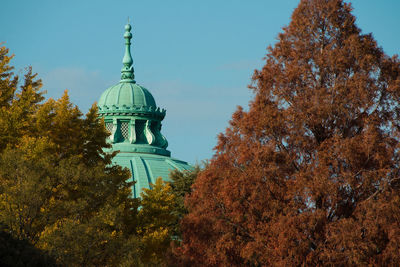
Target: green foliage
181,186
58,189
61,195
78,213
156,218
15,253
17,107
8,82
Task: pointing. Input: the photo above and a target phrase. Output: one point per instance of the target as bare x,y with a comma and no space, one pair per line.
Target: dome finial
127,72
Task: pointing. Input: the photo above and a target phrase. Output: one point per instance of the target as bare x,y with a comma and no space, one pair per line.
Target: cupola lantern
134,121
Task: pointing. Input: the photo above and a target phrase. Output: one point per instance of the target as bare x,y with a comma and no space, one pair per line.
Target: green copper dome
126,95
134,121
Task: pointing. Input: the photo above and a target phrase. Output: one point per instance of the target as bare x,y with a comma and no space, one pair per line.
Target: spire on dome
127,72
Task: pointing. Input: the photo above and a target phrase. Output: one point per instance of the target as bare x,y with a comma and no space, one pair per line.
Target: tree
181,186
17,107
8,82
59,190
309,175
80,214
159,216
14,252
156,221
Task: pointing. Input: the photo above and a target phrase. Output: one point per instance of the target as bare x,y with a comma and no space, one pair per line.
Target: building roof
134,122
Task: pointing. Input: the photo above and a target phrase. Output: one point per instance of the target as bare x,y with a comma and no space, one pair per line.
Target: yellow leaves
157,205
156,221
156,236
56,186
159,196
108,217
52,201
155,239
34,147
5,60
155,244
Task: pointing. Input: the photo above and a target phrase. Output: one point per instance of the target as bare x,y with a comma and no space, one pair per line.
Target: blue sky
196,57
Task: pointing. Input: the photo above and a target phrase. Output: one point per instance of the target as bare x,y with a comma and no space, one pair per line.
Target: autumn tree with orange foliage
310,174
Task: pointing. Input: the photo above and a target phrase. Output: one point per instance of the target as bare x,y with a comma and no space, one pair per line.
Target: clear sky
196,57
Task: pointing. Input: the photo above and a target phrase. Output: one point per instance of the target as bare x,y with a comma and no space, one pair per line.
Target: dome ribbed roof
128,94
146,168
134,122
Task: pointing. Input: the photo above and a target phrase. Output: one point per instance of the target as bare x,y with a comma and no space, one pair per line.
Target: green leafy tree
161,209
181,186
80,214
156,221
15,253
17,107
8,82
309,175
58,189
60,192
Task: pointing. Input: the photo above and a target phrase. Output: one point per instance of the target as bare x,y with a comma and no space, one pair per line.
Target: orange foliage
310,174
